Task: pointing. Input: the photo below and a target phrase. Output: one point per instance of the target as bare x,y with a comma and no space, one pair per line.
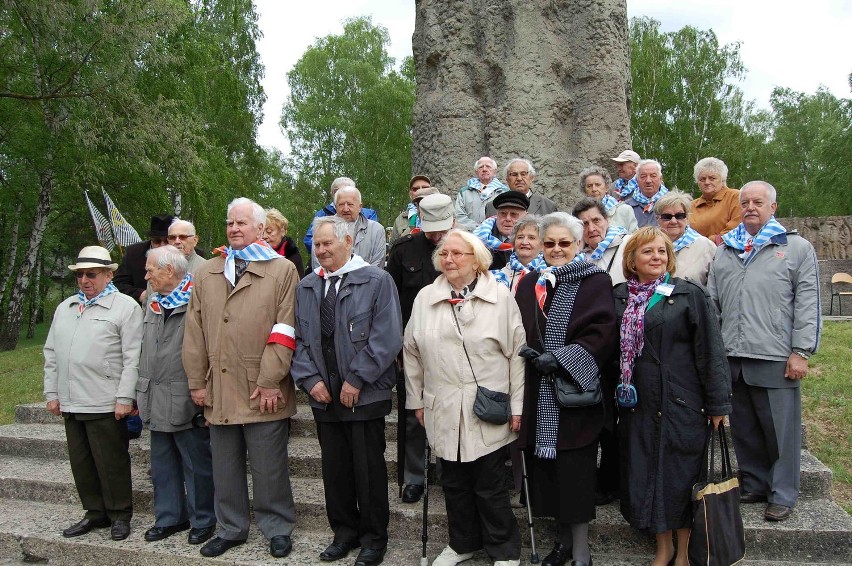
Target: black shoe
370,556
280,546
197,536
412,493
159,533
777,512
337,550
578,563
84,526
605,497
120,530
558,556
749,497
219,546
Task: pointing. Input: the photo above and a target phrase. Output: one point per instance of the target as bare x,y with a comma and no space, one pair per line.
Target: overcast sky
799,45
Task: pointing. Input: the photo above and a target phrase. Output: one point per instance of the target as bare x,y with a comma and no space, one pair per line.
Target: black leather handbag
569,395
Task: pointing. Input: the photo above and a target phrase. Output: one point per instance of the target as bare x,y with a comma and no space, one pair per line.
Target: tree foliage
350,113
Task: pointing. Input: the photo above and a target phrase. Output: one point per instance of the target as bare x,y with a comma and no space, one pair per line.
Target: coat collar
486,289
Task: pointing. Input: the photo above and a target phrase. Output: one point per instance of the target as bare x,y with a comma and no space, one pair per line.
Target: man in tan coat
238,344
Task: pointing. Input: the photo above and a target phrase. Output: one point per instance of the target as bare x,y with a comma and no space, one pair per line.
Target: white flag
124,232
102,227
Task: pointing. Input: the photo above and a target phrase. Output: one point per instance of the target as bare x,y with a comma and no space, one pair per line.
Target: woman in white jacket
465,329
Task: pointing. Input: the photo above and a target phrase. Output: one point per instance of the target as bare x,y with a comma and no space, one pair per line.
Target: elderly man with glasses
520,176
183,236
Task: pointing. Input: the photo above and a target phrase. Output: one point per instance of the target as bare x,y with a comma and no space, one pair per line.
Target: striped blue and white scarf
536,265
648,202
740,239
488,190
178,297
609,203
84,302
625,188
483,232
689,235
603,246
256,251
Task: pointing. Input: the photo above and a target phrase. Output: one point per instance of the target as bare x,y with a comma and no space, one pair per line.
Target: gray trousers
272,496
766,425
415,450
181,471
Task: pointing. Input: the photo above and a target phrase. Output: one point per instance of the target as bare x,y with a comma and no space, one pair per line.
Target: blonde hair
276,219
481,255
639,238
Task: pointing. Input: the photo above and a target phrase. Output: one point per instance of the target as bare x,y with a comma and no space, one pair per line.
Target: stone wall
831,236
546,80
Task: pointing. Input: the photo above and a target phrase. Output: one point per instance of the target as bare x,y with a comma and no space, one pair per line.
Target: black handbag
569,395
717,538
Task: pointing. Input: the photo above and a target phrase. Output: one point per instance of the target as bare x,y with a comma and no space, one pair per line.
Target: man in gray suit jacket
520,176
764,281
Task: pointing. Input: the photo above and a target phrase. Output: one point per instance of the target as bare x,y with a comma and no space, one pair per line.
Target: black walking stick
533,554
425,533
400,426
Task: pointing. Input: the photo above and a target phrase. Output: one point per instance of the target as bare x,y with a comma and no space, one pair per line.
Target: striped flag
124,232
102,227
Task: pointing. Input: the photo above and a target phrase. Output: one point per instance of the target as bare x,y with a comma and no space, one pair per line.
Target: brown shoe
777,512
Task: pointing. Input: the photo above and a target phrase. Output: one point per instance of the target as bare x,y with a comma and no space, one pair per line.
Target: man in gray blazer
764,282
520,176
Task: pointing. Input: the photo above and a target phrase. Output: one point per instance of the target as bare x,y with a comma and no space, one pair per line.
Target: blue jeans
181,459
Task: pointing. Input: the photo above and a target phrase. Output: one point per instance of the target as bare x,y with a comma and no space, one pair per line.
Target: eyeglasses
158,241
522,174
183,237
564,244
453,255
87,274
679,216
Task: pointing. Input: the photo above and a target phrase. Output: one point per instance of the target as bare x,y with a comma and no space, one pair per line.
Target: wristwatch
802,354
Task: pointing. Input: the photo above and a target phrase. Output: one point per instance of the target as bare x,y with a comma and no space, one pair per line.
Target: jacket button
226,421
226,319
632,410
671,301
224,370
659,414
702,411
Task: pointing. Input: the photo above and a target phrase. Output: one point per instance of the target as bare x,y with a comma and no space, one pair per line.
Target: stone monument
547,80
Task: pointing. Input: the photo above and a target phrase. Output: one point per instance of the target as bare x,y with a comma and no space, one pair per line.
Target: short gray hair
485,157
593,170
673,198
181,221
561,219
341,227
654,162
341,182
712,165
526,162
770,190
257,211
347,189
169,255
524,222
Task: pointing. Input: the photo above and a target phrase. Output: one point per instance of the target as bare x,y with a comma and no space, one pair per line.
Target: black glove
546,363
528,353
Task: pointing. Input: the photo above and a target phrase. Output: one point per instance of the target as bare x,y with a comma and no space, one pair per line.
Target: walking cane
425,533
533,554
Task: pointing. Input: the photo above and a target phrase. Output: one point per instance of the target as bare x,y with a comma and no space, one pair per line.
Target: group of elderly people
587,330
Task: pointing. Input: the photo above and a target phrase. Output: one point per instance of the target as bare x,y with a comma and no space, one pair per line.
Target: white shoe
507,563
450,557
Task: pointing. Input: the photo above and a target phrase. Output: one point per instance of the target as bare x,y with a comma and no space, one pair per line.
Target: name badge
664,289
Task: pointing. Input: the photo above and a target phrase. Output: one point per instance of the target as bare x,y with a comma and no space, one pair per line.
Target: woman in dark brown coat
567,319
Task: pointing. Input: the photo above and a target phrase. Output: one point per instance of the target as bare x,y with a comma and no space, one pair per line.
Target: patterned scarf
648,202
609,203
633,324
515,265
413,217
584,368
178,297
689,235
84,302
546,274
603,246
483,232
625,188
486,191
740,239
256,251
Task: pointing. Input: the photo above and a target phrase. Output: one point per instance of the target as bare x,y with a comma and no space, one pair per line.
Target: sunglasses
183,237
564,244
87,274
158,241
678,216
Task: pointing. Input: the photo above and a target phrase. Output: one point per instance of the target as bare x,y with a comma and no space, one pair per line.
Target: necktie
327,307
240,266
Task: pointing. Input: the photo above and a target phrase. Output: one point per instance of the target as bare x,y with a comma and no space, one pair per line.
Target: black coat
410,266
130,276
592,326
288,249
681,379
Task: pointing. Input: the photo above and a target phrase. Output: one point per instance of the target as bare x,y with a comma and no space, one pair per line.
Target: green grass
827,407
826,397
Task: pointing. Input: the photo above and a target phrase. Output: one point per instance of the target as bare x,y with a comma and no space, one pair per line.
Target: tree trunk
35,297
9,267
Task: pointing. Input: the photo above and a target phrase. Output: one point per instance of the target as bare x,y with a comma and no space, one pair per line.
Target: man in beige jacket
238,344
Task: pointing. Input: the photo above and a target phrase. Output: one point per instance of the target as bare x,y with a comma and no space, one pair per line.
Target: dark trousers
415,450
478,510
100,463
355,477
609,470
182,474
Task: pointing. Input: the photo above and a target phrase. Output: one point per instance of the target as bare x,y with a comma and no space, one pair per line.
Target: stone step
31,533
819,530
48,441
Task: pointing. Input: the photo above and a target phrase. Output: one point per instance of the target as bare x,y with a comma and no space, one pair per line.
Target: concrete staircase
38,499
